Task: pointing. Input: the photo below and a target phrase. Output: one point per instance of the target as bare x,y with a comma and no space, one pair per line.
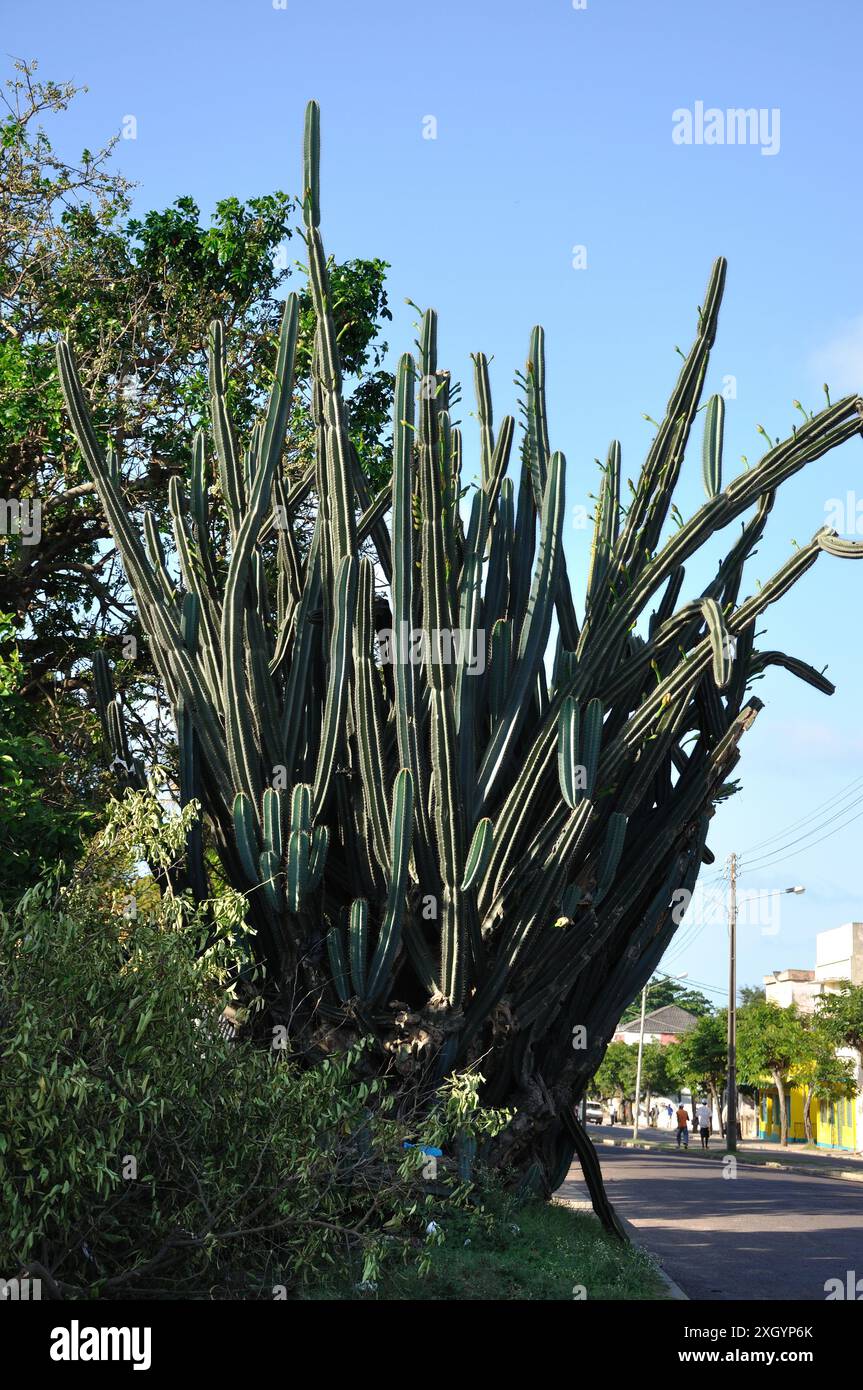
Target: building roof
796,975
669,1019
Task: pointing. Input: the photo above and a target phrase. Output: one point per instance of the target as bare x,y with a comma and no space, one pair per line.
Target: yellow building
835,1124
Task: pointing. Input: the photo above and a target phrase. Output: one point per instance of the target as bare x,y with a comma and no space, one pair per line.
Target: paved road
762,1235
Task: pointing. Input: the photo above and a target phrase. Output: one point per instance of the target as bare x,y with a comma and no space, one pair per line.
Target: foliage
657,1075
46,798
770,1039
840,1014
615,1075
618,1071
823,1074
471,854
771,1045
699,1059
836,1023
701,1055
145,1153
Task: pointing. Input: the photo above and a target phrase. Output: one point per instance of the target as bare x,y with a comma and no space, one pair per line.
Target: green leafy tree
699,1059
822,1072
841,1016
751,994
48,797
656,1075
144,1153
616,1074
771,1044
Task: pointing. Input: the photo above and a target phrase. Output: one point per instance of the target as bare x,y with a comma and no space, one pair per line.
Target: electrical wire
771,862
688,937
744,858
769,854
855,785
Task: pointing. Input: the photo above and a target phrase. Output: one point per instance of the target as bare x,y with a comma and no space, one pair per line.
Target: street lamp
731,1086
641,1048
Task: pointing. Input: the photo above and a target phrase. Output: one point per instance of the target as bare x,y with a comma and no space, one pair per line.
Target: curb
840,1175
675,1292
674,1289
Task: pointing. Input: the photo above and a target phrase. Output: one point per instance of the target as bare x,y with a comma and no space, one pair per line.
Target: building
838,959
663,1025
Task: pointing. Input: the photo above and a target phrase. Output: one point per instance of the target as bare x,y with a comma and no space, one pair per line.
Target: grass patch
538,1250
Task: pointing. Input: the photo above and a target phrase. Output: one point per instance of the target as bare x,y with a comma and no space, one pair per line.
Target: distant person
669,1110
652,1116
612,1112
703,1115
682,1126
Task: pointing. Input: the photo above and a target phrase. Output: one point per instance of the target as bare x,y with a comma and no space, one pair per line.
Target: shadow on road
762,1234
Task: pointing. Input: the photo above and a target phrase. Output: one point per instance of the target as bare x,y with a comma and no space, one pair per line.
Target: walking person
612,1111
704,1124
682,1126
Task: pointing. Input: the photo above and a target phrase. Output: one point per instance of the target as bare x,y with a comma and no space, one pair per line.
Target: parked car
593,1112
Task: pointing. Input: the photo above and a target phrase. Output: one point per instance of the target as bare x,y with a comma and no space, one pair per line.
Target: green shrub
142,1151
46,804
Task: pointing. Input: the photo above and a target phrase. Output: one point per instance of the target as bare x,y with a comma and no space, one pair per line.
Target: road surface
760,1235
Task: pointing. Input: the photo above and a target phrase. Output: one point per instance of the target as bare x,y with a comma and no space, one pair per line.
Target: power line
769,865
788,844
797,840
690,934
856,784
698,984
711,989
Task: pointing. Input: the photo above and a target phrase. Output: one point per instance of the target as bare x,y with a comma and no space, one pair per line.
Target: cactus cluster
469,852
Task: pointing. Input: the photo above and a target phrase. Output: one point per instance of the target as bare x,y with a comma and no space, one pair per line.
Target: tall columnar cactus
467,847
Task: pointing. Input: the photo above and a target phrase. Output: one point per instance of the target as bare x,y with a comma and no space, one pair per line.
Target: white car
593,1112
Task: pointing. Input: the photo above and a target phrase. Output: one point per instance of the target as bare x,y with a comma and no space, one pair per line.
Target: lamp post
731,1100
641,1049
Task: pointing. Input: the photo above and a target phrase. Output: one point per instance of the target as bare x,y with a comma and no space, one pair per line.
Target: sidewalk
834,1163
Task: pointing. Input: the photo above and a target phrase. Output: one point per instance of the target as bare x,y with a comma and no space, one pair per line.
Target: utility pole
731,1106
641,1045
638,1069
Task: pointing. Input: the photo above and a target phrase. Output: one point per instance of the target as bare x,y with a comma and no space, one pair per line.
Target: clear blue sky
554,129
